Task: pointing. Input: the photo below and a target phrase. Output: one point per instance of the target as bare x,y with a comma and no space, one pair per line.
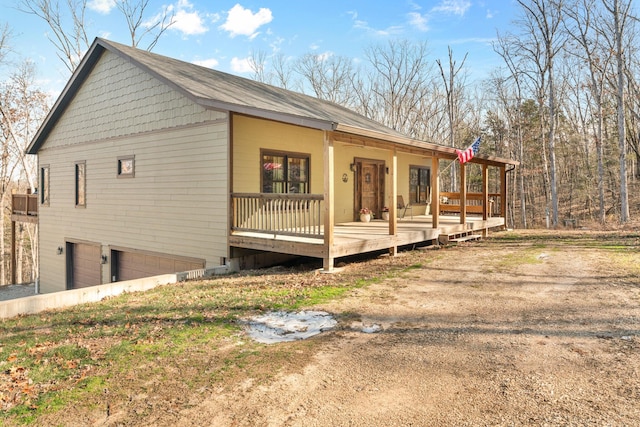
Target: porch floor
352,238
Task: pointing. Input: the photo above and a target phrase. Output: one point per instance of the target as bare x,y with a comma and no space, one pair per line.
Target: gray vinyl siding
119,99
177,202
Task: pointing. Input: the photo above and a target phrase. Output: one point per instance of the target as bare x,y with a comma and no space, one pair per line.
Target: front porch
351,238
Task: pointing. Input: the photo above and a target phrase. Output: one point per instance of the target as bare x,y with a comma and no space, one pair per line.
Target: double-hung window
284,172
419,184
44,185
81,184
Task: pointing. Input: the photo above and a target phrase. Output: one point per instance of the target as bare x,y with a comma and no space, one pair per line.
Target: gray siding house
149,165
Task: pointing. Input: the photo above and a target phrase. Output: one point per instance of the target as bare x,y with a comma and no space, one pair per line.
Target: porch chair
402,207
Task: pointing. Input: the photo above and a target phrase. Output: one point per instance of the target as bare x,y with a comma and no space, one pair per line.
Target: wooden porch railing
284,214
24,204
474,203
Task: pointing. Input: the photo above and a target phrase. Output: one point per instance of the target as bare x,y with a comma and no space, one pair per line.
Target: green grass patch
525,256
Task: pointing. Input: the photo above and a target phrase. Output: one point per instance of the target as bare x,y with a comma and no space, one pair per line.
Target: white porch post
485,192
435,191
329,219
485,198
463,193
393,204
503,194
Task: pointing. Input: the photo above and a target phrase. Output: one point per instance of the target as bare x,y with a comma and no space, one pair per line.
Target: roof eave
266,114
445,152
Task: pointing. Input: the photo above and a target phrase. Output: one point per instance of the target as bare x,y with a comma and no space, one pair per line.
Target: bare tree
5,37
505,49
134,12
580,22
68,25
257,62
453,89
279,72
542,19
68,35
394,90
22,109
620,16
329,76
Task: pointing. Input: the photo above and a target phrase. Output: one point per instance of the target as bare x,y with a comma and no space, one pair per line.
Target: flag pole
467,154
450,164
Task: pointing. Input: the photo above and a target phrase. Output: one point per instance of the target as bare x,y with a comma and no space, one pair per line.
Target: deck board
352,238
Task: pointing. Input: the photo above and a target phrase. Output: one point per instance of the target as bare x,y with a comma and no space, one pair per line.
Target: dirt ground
470,339
540,332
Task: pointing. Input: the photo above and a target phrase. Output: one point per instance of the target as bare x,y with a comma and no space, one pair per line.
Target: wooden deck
358,237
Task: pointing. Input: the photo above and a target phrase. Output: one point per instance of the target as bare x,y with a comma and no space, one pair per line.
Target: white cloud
324,56
239,65
186,20
102,6
418,21
364,25
453,7
243,22
275,44
188,23
209,63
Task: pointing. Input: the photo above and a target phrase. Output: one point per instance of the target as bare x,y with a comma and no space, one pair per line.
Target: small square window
126,167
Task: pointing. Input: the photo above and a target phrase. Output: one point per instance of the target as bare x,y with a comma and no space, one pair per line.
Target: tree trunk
624,196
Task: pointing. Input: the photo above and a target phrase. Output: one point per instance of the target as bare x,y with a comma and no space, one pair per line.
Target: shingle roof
227,92
230,92
215,89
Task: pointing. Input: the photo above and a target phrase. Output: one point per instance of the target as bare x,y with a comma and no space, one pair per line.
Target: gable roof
214,89
222,91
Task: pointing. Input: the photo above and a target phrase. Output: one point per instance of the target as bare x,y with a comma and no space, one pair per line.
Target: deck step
466,238
461,236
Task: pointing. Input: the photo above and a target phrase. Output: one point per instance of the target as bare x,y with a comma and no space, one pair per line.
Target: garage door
85,265
135,265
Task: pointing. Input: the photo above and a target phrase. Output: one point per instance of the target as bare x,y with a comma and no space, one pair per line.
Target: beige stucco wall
175,204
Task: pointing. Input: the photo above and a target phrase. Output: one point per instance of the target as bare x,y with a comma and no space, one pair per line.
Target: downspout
505,174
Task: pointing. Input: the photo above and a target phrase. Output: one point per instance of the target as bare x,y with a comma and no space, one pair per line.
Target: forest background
564,102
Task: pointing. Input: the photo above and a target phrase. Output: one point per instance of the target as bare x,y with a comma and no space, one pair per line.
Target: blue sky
222,34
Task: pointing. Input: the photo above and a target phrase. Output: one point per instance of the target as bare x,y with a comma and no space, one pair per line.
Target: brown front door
370,186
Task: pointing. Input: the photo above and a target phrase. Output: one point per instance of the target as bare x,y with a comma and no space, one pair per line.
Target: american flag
272,166
466,155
